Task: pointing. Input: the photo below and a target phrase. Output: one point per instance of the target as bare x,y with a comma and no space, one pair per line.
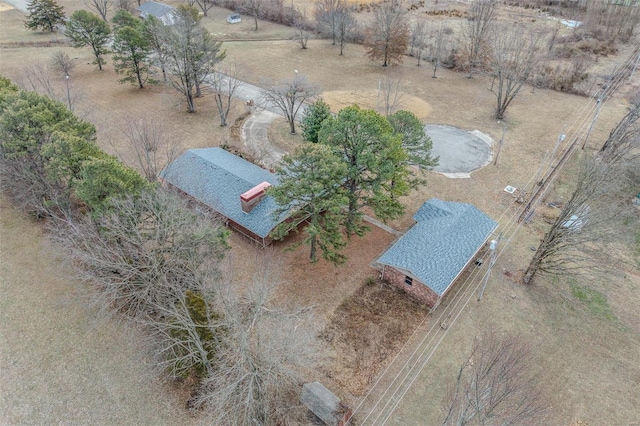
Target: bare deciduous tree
390,94
515,54
38,77
225,85
205,6
302,31
418,39
577,242
62,63
388,34
101,7
190,53
147,252
496,385
288,96
30,190
476,31
255,9
265,348
438,47
625,136
346,27
151,143
611,21
186,334
326,14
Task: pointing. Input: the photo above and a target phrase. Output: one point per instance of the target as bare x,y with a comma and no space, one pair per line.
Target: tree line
152,260
511,55
184,52
358,158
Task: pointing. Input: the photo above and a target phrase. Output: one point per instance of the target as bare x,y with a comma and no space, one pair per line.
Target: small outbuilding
324,404
428,259
234,18
229,186
162,11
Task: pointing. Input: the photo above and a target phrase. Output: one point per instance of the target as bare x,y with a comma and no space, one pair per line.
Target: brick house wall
417,288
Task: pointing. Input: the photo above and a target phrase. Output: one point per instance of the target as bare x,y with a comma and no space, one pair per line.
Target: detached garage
428,259
163,12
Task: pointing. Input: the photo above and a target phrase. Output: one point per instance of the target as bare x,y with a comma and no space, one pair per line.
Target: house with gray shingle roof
431,255
230,186
162,11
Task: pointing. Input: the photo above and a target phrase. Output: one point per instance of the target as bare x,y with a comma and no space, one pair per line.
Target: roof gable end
441,243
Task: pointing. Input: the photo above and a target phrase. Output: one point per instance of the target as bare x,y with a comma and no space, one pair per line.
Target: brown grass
61,363
366,330
280,136
368,99
589,364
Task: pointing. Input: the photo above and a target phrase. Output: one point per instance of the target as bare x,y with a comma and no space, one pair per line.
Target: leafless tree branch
578,241
288,96
101,7
495,385
151,143
266,347
476,31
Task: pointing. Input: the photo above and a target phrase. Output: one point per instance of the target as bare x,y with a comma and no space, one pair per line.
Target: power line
451,312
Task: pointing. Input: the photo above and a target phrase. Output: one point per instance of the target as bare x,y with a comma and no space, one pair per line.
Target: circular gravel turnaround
460,151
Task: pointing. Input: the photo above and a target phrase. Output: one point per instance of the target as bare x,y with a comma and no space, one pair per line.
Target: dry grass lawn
58,365
589,361
367,330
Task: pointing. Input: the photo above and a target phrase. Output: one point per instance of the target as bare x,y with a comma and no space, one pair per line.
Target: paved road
256,138
18,4
255,128
247,92
460,151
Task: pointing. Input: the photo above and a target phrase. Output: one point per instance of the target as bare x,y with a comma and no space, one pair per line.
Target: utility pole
492,247
593,122
66,80
547,173
504,131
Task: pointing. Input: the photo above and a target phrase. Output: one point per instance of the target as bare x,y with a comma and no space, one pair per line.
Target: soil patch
370,99
367,329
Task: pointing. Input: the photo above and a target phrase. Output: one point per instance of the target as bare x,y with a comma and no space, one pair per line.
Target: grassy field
586,338
59,364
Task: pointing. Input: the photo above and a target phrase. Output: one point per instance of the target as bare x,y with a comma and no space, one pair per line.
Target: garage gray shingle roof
216,178
439,245
156,9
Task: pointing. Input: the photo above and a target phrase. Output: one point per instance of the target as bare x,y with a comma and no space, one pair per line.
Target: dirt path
57,365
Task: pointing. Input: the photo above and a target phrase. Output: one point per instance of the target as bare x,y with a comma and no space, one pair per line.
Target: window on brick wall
408,280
